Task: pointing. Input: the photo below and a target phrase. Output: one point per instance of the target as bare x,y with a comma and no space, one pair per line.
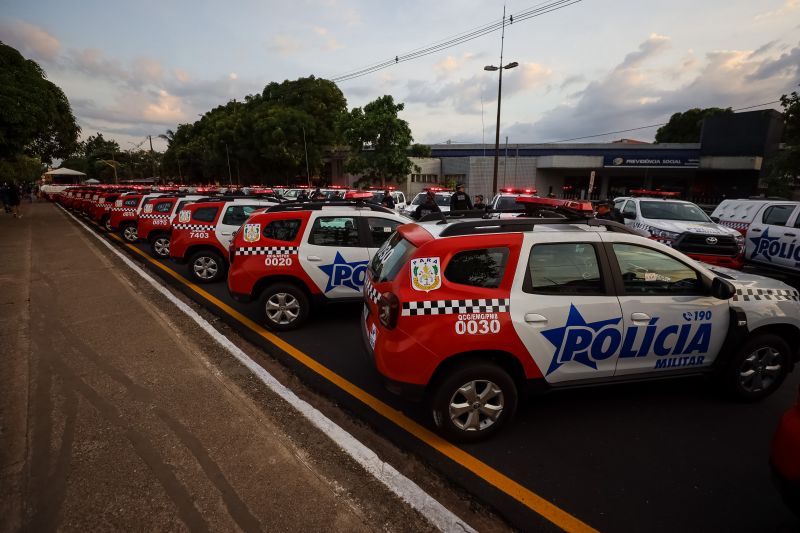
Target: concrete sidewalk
115,415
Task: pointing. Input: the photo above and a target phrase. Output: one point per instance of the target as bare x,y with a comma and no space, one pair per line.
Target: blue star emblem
762,244
556,338
342,273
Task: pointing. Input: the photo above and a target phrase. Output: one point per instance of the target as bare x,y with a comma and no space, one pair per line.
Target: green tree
22,168
379,141
783,169
685,127
35,115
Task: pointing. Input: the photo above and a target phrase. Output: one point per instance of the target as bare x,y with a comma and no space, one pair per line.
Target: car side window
630,208
133,202
334,231
236,215
163,207
205,214
564,268
282,230
777,215
480,268
380,229
650,272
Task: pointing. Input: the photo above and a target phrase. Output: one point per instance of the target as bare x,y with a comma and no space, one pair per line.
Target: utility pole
505,163
499,96
153,158
228,156
305,147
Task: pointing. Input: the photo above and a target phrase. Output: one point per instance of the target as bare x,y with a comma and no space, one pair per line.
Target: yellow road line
533,501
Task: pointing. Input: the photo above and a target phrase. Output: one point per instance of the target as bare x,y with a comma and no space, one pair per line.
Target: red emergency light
387,188
512,190
577,205
337,187
437,189
656,193
357,195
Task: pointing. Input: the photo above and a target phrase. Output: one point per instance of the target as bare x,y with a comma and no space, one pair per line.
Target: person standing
460,201
317,195
479,202
4,189
302,197
427,207
387,200
13,200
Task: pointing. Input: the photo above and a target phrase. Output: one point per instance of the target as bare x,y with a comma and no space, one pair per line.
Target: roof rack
512,225
319,204
442,216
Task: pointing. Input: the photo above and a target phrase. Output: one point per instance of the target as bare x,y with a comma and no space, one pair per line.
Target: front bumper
735,262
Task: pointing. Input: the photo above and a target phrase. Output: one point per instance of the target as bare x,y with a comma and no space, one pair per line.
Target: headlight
739,239
663,234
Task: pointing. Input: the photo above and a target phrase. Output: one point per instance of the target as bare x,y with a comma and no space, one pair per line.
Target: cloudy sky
131,69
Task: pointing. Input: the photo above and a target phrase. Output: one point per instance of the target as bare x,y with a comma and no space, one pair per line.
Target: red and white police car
154,225
294,255
472,313
202,233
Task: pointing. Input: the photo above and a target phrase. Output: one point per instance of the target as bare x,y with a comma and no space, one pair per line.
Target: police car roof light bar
319,204
655,193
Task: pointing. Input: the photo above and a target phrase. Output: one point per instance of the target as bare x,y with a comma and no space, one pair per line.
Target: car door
670,322
378,229
233,216
629,213
334,254
774,236
563,307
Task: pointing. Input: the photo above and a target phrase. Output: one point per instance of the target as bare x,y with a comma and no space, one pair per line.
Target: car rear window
236,215
480,268
282,230
390,258
334,231
563,268
205,214
777,215
132,202
163,207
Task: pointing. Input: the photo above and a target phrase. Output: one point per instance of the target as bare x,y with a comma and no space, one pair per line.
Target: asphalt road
661,456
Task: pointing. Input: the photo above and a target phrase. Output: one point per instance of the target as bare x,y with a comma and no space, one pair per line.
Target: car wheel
285,306
473,402
758,368
206,267
129,233
107,224
160,246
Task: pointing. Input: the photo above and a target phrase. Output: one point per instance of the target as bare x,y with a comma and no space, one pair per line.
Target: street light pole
501,68
228,156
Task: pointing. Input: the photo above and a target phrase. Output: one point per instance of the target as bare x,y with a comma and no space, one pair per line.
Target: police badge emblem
148,208
184,216
252,232
426,274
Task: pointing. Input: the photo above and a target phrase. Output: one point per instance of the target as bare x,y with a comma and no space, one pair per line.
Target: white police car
683,226
469,313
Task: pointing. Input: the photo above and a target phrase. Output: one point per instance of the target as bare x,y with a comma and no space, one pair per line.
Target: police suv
441,197
202,233
155,221
683,226
506,199
294,255
470,314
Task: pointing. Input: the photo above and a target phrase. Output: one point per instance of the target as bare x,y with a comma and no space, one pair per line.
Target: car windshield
506,203
673,211
441,199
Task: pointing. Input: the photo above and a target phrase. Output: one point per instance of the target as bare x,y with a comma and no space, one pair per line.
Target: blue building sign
643,161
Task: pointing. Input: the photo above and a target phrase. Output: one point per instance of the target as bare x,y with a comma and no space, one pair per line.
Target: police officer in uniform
303,196
460,201
387,200
427,206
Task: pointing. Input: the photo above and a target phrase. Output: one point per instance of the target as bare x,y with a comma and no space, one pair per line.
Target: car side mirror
722,289
715,219
629,216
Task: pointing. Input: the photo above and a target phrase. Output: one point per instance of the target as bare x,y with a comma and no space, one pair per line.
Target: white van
771,228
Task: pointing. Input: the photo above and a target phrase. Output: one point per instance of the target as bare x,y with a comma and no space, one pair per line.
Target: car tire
490,391
207,266
128,232
106,223
159,246
758,368
285,306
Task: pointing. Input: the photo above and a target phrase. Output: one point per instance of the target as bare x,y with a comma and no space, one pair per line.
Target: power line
648,126
457,39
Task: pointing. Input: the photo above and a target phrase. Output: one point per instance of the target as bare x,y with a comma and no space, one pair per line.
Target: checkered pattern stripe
780,295
668,242
453,307
735,225
371,292
193,227
266,250
151,215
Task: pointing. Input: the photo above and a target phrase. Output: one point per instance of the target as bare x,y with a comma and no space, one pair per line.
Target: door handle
535,319
788,234
756,230
640,319
313,258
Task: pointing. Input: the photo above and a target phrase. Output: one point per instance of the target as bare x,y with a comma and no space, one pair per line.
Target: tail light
388,310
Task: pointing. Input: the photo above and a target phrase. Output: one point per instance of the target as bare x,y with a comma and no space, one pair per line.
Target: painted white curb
407,490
